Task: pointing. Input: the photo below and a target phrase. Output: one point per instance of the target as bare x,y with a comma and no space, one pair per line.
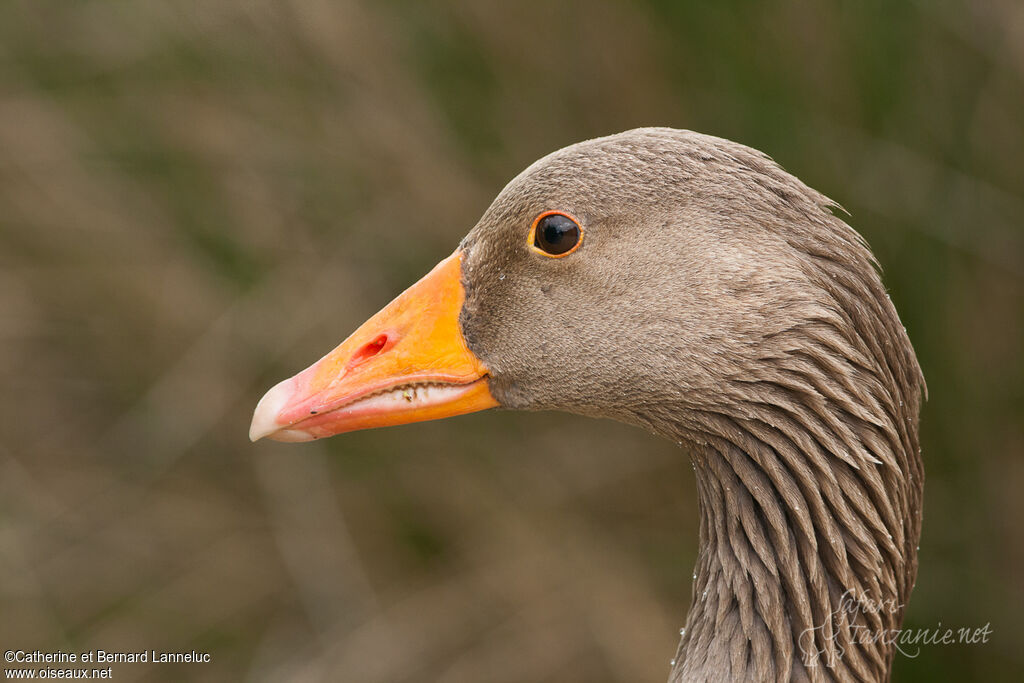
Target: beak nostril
377,344
368,351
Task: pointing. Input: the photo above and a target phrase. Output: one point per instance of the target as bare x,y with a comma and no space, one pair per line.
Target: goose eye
556,234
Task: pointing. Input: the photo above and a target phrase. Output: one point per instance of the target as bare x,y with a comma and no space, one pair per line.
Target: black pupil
557,234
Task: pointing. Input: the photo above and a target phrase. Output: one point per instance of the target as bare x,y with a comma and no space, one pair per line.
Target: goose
690,286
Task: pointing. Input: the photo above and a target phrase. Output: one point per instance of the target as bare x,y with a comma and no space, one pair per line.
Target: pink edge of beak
264,419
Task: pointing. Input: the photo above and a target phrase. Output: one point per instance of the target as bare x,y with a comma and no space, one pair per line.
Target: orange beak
406,364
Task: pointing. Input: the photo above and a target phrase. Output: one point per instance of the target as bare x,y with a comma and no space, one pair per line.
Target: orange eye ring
554,236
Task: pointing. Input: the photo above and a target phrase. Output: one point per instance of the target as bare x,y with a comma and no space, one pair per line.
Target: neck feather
809,488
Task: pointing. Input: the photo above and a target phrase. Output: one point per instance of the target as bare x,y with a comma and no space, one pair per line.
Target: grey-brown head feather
718,301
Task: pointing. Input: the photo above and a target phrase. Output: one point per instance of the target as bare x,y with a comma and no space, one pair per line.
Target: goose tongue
408,363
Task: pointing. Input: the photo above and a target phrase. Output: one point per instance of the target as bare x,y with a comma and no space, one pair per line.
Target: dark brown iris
556,234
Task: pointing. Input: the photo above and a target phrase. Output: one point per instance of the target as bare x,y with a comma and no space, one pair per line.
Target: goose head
688,285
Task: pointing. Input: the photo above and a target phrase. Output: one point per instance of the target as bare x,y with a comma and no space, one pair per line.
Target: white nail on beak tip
264,418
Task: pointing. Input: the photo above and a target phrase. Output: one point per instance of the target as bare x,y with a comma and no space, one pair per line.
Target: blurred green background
198,199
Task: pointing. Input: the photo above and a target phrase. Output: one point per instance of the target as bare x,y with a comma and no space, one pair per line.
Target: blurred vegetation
198,199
